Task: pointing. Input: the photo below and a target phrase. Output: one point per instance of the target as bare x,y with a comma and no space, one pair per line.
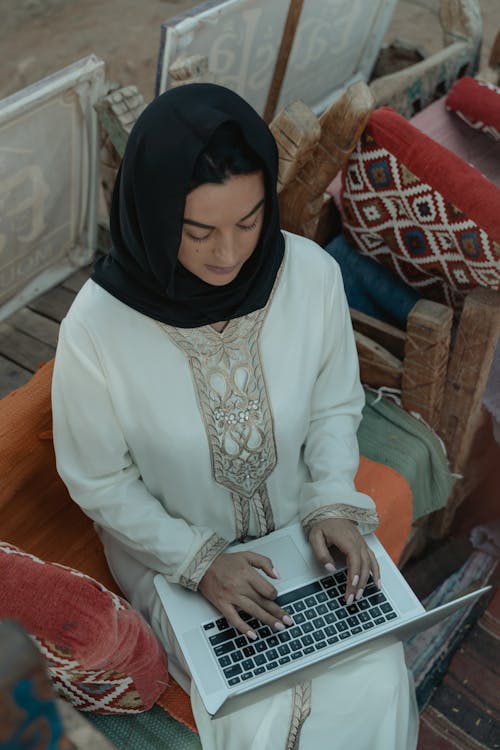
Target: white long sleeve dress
177,442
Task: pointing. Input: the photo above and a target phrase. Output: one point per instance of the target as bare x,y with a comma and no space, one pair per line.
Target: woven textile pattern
392,215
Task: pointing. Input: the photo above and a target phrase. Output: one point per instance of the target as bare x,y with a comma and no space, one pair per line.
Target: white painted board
49,181
336,44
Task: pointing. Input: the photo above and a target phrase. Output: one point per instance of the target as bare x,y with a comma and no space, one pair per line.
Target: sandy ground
37,37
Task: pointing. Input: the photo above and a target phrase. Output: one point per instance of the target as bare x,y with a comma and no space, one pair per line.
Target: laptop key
363,617
368,625
352,609
300,607
391,616
241,641
318,635
386,608
260,646
310,601
341,626
375,612
321,609
356,630
273,640
295,632
248,651
293,596
379,620
284,636
209,626
226,635
298,618
224,661
332,639
321,597
232,671
284,660
233,681
284,649
321,644
318,622
327,582
296,655
271,665
344,635
330,617
222,623
330,630
246,675
377,598
352,621
307,627
309,650
224,648
237,656
307,640
295,645
260,659
264,631
258,671
272,654
254,623
247,664
311,614
363,604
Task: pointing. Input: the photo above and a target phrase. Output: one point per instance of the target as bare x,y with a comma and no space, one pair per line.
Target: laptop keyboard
320,618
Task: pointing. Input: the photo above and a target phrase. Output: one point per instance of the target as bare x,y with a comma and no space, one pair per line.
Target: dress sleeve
331,450
95,463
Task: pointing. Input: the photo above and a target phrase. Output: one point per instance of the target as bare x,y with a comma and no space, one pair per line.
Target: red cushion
478,103
422,210
101,654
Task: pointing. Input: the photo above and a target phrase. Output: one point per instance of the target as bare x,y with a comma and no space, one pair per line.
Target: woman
206,390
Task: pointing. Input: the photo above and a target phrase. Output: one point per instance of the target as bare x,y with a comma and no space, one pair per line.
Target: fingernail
330,567
275,573
355,580
379,584
278,626
350,599
359,594
287,620
252,635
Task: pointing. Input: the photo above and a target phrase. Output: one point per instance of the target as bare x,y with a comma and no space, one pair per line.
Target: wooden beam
377,366
302,200
53,304
426,358
390,337
296,131
470,362
35,325
22,349
291,25
11,376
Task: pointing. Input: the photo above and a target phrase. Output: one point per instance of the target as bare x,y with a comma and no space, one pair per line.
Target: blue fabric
370,287
30,720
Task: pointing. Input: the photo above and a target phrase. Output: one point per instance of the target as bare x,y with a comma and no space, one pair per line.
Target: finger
320,548
266,611
263,563
353,573
366,565
231,614
375,568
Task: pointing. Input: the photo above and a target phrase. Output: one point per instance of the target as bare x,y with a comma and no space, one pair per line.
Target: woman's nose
225,248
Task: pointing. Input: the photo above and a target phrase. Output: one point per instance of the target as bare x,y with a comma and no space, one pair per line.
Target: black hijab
147,210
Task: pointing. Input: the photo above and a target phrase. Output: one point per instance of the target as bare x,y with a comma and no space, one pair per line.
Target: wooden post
291,24
296,131
302,200
426,357
462,415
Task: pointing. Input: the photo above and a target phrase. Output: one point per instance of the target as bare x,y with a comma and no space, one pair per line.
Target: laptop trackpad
286,557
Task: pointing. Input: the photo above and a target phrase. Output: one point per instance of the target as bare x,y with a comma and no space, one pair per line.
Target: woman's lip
221,269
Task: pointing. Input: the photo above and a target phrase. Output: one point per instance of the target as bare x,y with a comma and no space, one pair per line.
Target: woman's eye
194,238
249,227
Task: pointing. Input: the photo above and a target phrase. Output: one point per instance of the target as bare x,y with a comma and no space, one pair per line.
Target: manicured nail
330,567
350,599
287,620
359,594
278,626
355,580
275,573
379,584
252,635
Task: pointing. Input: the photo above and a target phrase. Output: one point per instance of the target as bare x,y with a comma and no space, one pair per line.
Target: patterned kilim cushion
101,655
478,103
415,206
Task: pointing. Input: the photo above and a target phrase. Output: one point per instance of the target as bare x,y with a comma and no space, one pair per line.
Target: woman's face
221,228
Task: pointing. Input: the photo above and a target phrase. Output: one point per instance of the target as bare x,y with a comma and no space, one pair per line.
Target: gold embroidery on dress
234,402
301,708
339,510
200,562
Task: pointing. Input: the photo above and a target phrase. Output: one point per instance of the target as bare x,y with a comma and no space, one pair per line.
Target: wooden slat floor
28,338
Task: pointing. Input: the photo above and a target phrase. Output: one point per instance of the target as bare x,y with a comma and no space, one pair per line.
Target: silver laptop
232,671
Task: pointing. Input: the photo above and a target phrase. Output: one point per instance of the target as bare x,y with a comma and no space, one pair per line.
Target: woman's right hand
232,583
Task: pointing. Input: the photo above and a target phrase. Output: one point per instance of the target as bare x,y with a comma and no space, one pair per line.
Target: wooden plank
296,131
477,336
53,304
36,326
11,376
426,359
388,336
302,199
291,24
75,282
23,350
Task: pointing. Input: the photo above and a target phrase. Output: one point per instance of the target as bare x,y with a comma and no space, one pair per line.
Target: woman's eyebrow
209,226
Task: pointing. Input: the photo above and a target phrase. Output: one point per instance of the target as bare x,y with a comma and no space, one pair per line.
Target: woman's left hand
345,536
